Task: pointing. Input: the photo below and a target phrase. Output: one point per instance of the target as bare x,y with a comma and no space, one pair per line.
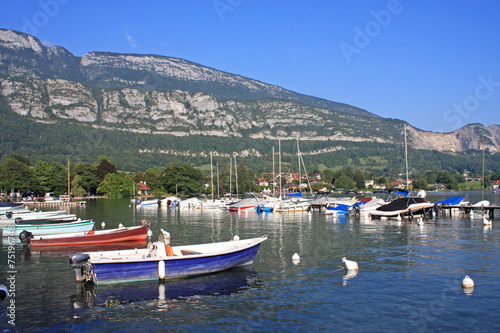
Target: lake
409,276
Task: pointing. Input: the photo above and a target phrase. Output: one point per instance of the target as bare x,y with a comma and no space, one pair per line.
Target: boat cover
399,204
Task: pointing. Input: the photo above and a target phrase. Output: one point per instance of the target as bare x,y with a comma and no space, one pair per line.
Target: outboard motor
25,237
77,261
4,292
8,214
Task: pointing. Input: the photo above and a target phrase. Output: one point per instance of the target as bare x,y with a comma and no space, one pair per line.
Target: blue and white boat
148,203
161,261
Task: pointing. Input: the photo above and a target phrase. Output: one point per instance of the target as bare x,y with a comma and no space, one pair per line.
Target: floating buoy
121,226
467,282
103,224
350,264
486,221
236,238
295,256
150,233
161,269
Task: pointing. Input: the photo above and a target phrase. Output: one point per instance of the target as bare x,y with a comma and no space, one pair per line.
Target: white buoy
350,264
295,256
150,233
467,282
103,224
486,221
161,269
121,226
236,238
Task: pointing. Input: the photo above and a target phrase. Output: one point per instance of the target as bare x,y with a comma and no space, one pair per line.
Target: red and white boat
247,204
128,234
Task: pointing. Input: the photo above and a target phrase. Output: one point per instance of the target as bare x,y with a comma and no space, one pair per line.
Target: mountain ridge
140,95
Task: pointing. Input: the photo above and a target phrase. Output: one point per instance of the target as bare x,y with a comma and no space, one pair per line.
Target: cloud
130,39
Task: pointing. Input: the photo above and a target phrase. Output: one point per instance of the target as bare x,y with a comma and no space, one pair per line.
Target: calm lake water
409,278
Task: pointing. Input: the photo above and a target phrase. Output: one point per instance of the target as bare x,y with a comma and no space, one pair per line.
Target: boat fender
161,269
91,232
77,260
25,237
4,292
169,250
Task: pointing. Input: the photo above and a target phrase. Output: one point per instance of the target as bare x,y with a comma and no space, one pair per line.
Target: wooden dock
56,203
466,209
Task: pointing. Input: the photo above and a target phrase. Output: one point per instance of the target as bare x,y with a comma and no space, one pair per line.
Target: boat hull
134,234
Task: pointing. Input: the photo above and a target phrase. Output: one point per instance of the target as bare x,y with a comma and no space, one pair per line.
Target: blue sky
434,64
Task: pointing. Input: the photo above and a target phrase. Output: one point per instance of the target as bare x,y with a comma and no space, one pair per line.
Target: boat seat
187,252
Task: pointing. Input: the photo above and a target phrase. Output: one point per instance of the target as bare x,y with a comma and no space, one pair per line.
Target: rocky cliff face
182,113
472,136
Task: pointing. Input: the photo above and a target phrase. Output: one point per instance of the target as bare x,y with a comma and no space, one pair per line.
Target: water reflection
223,283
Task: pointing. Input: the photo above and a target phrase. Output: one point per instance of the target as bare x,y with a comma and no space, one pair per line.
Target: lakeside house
143,188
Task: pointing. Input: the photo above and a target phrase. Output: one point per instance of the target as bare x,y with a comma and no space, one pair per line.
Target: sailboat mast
482,147
218,182
236,175
211,175
230,176
406,160
274,177
69,184
279,143
298,157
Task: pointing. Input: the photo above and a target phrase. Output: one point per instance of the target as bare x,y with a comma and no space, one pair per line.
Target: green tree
116,185
104,167
345,182
328,176
245,178
44,173
17,176
359,179
153,177
76,187
181,178
420,183
89,178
